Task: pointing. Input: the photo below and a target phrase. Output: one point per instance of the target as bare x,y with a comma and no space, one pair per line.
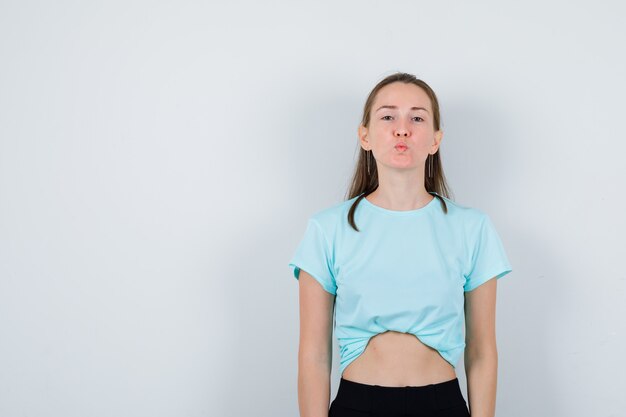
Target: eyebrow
395,107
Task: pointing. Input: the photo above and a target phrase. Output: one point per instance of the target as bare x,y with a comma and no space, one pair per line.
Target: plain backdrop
158,162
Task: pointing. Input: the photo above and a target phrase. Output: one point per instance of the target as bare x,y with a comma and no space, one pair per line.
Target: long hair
365,183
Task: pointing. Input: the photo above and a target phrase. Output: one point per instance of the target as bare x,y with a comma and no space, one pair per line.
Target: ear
362,132
437,142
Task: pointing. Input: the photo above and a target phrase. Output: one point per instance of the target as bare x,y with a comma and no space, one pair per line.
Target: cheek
423,137
380,129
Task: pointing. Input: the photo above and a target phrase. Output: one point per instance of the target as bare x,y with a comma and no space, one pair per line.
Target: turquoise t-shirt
404,271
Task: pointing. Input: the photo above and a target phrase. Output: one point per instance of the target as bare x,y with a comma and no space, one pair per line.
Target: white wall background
158,161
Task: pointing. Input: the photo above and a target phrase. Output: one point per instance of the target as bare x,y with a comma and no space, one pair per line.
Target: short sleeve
488,258
313,255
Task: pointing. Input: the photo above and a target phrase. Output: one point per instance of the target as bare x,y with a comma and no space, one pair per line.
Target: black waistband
379,398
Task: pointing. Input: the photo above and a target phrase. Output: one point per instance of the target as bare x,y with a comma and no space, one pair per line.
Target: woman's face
400,133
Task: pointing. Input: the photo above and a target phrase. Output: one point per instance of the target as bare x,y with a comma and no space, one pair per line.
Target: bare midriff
395,359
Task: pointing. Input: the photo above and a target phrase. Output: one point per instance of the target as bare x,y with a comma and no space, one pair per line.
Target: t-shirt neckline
429,206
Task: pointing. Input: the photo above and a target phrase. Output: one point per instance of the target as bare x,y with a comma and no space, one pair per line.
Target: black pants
443,399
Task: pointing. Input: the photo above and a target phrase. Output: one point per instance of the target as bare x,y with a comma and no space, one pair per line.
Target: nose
401,131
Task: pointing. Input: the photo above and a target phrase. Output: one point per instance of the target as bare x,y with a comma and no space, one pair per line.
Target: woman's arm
315,347
481,354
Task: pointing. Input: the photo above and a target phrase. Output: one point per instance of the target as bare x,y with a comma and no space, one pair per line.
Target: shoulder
332,213
331,217
463,214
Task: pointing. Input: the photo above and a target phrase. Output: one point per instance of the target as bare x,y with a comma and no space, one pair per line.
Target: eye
417,117
383,118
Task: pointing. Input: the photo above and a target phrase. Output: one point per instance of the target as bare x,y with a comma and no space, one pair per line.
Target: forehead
402,95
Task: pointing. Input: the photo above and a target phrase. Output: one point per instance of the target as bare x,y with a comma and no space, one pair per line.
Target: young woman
404,269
